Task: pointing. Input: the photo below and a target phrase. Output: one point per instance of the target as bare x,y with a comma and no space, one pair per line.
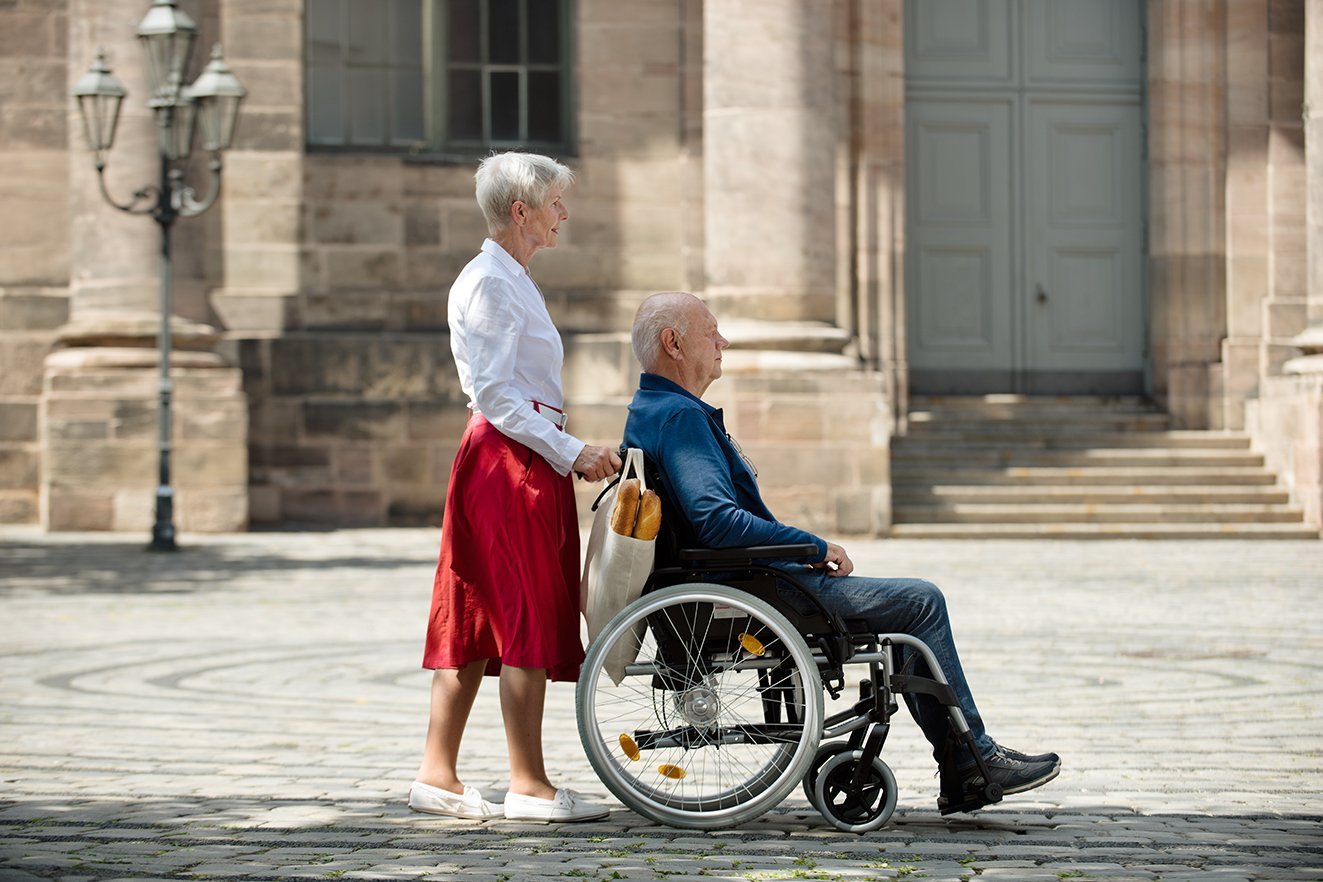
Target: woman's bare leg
523,696
453,691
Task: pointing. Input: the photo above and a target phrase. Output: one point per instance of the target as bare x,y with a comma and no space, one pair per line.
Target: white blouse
509,353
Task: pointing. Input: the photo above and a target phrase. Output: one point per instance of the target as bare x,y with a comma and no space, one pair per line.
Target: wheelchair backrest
676,533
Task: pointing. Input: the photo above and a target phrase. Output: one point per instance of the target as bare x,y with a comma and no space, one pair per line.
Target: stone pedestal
99,419
819,436
1287,424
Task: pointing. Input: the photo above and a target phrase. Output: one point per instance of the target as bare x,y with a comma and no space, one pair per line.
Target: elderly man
714,487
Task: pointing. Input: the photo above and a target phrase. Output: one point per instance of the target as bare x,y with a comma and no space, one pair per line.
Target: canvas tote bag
615,569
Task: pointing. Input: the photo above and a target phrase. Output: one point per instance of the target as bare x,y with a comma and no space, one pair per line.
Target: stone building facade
789,160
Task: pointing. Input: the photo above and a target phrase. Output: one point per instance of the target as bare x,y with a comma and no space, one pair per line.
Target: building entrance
1025,227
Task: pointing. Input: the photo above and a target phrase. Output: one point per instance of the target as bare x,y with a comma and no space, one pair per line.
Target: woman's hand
596,463
837,562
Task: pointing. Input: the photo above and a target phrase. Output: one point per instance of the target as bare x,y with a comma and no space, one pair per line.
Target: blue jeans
905,606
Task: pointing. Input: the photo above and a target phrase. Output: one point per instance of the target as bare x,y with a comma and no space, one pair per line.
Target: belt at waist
557,416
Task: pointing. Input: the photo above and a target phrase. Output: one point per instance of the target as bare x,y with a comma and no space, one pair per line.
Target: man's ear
670,342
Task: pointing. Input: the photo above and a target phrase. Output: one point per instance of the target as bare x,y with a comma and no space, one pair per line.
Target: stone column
34,232
1287,421
877,39
99,435
1310,341
114,274
1187,168
1313,120
769,158
1284,313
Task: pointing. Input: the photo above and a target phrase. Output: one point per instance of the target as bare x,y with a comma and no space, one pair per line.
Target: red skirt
507,584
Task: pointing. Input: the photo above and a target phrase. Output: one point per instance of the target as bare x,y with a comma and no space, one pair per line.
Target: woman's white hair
669,309
506,178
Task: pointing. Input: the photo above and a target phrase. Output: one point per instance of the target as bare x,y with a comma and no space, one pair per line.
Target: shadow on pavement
129,568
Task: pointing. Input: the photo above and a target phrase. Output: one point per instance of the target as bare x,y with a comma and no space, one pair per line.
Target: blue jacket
701,472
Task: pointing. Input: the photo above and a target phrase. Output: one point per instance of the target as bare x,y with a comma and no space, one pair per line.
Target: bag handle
633,461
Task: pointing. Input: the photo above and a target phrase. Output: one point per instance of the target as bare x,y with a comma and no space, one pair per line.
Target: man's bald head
669,309
675,336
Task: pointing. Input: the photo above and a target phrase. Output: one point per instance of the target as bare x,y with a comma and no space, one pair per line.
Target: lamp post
167,35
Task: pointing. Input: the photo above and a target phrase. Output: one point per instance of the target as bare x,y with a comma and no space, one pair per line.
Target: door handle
1042,295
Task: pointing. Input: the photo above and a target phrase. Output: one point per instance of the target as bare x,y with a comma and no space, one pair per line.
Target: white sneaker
567,806
436,801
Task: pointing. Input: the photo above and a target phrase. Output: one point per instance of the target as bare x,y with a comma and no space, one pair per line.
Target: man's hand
837,562
596,463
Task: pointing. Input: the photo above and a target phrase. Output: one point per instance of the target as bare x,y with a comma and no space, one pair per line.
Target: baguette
649,516
626,509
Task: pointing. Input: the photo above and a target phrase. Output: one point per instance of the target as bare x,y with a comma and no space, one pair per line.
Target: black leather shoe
1010,770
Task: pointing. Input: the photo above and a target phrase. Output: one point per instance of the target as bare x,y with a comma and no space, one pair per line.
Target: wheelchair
700,705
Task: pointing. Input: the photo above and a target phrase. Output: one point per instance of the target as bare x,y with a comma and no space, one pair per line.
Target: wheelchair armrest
699,556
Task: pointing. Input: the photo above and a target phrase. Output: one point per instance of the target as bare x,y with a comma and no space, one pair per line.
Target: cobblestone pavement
252,707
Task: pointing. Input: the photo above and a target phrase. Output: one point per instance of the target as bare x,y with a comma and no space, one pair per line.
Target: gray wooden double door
1024,156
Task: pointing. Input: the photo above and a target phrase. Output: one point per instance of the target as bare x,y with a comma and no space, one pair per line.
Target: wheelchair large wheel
715,717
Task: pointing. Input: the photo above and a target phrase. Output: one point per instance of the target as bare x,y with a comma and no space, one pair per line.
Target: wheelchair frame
846,781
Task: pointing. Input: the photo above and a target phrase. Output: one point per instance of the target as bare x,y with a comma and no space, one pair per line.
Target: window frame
437,145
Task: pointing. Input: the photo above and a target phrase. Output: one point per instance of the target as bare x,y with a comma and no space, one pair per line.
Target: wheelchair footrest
957,793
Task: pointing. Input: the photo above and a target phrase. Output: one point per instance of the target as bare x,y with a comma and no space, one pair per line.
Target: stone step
1079,466
1083,458
925,494
772,361
1103,531
1059,513
966,438
924,474
785,336
1025,405
1080,423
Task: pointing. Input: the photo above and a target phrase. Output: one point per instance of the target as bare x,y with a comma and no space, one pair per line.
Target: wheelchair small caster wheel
825,752
855,807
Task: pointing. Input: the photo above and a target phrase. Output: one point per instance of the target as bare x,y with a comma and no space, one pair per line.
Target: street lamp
212,101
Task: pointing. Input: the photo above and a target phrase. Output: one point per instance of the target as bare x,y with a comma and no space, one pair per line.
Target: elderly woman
505,601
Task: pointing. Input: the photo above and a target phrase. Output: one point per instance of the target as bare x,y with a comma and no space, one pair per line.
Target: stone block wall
353,428
354,403
29,316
